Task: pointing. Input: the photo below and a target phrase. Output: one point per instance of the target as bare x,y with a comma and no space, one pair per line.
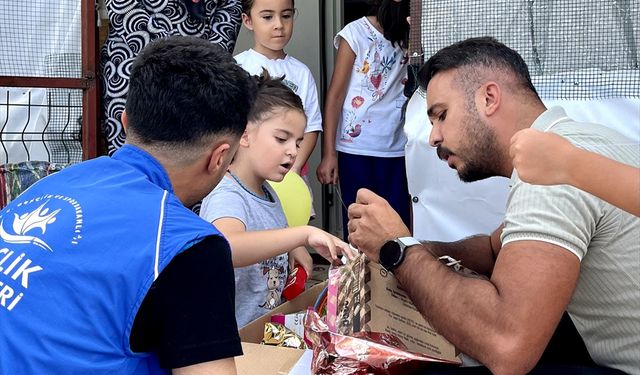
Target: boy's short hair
248,4
186,90
273,94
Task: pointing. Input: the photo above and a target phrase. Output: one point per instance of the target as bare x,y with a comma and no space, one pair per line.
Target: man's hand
372,222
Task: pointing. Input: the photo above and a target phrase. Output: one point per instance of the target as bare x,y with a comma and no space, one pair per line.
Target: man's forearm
505,321
441,296
474,252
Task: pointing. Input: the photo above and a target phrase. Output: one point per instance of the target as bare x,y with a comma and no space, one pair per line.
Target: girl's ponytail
392,16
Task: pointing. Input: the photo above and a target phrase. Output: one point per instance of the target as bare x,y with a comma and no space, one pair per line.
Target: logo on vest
47,222
23,224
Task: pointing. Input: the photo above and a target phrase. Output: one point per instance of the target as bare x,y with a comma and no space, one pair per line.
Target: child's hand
329,246
327,171
301,256
541,158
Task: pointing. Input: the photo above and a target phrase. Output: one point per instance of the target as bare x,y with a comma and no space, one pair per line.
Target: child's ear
246,21
244,140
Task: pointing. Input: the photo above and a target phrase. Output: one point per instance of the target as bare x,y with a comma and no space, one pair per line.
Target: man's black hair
477,52
184,89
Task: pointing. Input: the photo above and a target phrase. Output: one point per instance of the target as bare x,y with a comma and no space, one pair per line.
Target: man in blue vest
103,269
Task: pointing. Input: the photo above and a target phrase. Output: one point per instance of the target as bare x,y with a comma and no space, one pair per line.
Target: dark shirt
188,315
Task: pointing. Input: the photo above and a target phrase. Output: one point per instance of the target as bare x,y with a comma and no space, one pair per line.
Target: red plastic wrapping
295,283
360,354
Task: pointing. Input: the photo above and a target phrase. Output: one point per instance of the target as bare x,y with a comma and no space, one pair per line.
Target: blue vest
78,253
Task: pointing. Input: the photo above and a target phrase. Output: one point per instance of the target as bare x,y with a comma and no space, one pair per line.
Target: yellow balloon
295,199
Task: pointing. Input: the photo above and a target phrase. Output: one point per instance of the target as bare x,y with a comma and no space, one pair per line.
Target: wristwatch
392,252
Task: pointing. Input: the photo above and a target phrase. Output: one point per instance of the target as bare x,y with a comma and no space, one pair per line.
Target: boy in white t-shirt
271,22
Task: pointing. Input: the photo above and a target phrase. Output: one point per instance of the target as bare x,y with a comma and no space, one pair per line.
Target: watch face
390,254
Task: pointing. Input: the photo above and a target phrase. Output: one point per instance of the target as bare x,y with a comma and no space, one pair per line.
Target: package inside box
254,331
391,310
264,359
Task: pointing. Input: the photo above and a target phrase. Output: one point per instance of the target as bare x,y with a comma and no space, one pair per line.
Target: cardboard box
265,359
393,312
363,296
376,301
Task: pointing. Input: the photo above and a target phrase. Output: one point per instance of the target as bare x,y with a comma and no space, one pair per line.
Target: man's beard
476,170
480,154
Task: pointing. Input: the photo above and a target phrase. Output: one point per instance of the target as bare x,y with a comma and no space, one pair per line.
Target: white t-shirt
370,123
297,76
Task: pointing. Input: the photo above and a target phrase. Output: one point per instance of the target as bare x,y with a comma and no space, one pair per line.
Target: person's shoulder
574,127
226,199
243,55
226,191
591,136
357,23
226,186
355,32
251,61
298,65
243,58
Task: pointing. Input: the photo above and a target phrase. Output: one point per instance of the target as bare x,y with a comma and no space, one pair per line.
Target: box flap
264,359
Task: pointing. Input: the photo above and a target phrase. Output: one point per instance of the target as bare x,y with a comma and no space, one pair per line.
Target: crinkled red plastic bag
360,354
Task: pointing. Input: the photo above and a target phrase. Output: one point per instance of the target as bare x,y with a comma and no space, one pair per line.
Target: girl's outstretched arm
251,247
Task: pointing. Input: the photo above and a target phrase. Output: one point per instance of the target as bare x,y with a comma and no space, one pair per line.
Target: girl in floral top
363,137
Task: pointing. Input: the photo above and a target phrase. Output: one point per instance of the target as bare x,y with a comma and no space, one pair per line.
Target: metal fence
48,89
575,49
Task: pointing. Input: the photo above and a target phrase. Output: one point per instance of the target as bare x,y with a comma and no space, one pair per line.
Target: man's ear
218,157
491,97
246,21
124,119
